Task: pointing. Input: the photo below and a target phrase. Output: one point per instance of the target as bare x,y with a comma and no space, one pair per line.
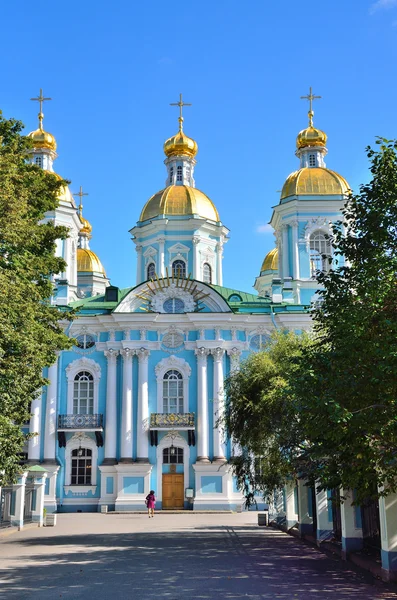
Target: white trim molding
179,364
83,440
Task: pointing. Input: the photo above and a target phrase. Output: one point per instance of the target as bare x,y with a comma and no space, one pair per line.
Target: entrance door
173,492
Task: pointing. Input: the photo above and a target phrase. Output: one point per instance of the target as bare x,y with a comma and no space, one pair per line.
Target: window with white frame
39,161
172,392
85,341
81,472
320,252
151,270
207,273
312,160
174,306
83,394
179,173
179,268
173,456
171,175
258,341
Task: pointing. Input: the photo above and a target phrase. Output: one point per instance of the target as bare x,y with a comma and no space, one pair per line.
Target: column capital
127,353
111,354
161,240
138,248
201,354
143,354
234,354
196,240
127,334
218,354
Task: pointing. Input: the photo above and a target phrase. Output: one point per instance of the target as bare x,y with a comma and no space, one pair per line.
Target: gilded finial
181,104
41,99
81,194
310,96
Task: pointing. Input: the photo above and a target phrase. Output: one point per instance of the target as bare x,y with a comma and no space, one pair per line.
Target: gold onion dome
314,181
179,200
270,262
88,262
41,138
311,137
180,144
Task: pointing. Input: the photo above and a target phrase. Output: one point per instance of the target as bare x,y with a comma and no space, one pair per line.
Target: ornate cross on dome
181,104
41,99
81,194
310,96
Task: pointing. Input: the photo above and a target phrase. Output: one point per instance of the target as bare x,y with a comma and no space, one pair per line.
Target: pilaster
111,407
126,411
202,405
218,404
143,406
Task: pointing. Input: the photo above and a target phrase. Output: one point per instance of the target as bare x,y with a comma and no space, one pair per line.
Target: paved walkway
174,557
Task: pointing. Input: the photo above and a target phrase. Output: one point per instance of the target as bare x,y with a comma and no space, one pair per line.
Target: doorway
173,491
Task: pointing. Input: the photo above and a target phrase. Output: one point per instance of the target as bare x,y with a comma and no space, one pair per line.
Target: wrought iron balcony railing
94,422
172,421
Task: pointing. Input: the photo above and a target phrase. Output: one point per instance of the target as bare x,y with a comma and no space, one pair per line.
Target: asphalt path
176,557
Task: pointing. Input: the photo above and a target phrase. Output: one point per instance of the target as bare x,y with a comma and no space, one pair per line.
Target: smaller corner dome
42,139
314,181
88,262
180,144
270,262
87,227
179,200
311,137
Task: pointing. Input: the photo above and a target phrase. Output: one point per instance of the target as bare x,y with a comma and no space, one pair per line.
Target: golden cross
81,194
181,104
310,96
41,99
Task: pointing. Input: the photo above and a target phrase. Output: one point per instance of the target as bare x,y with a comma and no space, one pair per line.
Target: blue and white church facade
135,405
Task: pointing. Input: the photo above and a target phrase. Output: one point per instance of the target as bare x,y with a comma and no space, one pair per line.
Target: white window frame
167,364
181,259
147,269
179,442
73,368
312,160
325,264
74,444
78,398
179,173
178,397
206,263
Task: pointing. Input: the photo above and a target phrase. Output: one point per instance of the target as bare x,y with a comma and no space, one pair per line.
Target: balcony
172,421
79,422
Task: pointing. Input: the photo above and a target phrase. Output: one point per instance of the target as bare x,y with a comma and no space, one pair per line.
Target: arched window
173,456
39,161
179,173
179,268
151,270
171,175
320,251
174,305
85,341
172,392
258,341
83,394
235,298
81,466
207,273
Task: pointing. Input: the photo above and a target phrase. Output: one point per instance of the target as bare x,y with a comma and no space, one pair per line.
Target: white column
111,407
295,250
285,257
388,528
305,520
35,427
161,272
138,249
202,405
218,403
126,410
291,516
352,533
219,254
324,516
50,414
196,259
234,355
143,406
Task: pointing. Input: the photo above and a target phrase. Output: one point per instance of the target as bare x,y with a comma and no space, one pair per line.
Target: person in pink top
150,503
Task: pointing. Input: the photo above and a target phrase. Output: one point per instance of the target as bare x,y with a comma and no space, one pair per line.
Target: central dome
178,200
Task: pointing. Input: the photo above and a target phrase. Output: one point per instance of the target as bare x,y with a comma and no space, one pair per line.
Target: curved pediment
173,295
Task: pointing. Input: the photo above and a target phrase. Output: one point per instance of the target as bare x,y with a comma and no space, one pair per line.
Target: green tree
30,333
262,415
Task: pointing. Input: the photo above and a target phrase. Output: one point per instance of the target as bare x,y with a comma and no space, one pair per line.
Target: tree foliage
30,333
327,408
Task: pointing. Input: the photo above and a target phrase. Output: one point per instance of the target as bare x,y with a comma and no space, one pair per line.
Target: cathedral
136,404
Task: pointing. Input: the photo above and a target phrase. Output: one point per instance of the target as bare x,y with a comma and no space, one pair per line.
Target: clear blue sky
112,68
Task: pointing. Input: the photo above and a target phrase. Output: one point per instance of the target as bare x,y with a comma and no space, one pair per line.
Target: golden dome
179,200
270,262
314,181
87,227
180,144
42,139
311,137
88,261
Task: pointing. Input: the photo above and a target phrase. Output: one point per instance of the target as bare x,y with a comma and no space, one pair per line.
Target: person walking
150,503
